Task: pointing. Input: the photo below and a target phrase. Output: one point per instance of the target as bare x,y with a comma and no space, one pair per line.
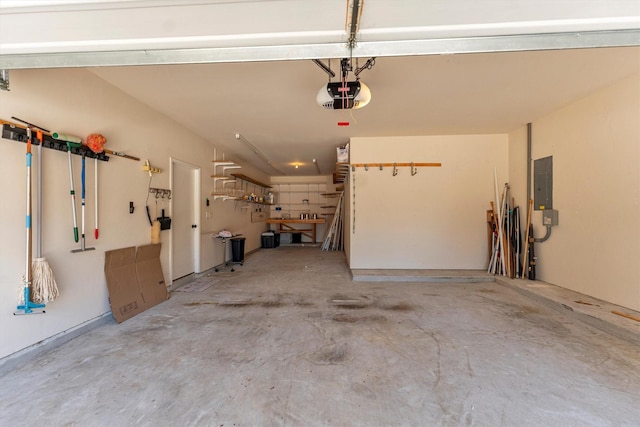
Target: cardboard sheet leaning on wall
134,280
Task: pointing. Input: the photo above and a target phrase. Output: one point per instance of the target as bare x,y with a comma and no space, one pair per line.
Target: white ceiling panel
243,70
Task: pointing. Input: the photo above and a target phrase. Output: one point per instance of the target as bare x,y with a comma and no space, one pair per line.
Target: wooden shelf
242,199
251,180
342,170
294,191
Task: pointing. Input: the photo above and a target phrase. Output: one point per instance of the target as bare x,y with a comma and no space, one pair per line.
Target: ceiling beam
443,46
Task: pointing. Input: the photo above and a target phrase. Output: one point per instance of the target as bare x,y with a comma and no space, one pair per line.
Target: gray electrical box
550,217
543,183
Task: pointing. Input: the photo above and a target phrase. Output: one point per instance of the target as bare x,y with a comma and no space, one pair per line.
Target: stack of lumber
333,238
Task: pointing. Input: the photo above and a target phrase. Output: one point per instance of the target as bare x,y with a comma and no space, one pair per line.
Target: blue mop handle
82,178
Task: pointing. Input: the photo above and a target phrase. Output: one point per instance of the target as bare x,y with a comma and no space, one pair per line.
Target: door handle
194,225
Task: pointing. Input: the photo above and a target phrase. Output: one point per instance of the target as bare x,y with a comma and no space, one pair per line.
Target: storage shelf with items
341,172
220,179
251,190
296,199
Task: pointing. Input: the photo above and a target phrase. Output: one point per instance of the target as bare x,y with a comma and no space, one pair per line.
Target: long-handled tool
83,180
72,191
27,306
525,256
72,142
95,199
44,287
96,142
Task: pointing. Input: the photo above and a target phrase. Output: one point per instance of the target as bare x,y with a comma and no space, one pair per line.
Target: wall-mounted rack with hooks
161,193
381,166
20,135
413,165
148,168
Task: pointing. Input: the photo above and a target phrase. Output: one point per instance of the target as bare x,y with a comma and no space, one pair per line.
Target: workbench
285,227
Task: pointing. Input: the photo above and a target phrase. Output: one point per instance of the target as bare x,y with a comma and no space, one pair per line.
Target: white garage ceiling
272,103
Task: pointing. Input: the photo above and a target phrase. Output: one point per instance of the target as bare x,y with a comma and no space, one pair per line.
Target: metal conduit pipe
546,236
529,160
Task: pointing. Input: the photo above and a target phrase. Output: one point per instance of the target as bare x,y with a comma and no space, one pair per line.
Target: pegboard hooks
413,169
395,169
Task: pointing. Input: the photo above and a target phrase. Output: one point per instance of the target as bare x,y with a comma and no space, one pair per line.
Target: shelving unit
219,191
341,172
249,186
329,209
296,199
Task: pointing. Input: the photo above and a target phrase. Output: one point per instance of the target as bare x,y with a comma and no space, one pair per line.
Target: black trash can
237,249
268,240
296,237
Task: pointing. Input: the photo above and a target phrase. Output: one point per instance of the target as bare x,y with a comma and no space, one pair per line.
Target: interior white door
184,223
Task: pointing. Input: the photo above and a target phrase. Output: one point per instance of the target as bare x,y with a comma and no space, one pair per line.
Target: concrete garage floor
290,340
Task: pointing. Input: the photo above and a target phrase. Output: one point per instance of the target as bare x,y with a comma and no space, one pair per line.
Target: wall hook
395,169
381,166
413,169
161,193
366,167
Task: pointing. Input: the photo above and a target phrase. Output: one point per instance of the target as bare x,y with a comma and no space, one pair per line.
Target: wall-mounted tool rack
20,135
160,193
394,165
381,166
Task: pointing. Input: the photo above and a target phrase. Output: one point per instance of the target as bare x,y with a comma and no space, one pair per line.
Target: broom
44,286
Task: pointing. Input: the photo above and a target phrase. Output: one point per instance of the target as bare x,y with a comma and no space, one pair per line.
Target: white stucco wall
79,103
595,144
433,220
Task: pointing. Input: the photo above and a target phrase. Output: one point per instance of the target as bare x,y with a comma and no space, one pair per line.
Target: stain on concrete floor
271,346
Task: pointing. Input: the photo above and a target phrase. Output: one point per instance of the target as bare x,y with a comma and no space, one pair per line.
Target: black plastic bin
237,249
296,237
270,240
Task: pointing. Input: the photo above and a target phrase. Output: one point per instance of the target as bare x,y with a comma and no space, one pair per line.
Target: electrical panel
543,183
